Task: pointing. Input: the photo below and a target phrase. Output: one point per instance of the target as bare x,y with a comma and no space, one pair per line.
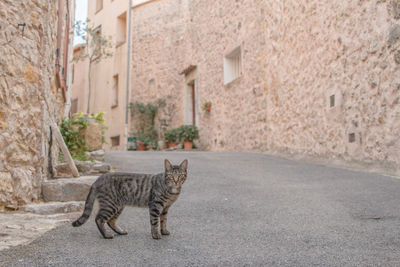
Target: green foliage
206,105
165,114
145,138
145,115
99,117
73,134
149,141
71,130
171,136
98,46
188,133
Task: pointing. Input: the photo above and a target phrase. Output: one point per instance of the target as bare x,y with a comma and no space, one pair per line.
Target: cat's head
175,175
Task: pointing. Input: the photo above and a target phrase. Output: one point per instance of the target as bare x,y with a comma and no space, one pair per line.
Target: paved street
241,209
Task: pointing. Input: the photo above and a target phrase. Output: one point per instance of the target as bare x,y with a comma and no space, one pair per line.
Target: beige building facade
33,87
79,86
109,76
319,78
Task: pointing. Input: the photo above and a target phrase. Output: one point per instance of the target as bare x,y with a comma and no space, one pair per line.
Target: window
74,106
115,141
73,74
99,5
352,137
232,65
115,92
121,29
97,42
332,101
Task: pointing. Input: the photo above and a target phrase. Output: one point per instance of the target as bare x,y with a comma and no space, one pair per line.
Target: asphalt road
240,209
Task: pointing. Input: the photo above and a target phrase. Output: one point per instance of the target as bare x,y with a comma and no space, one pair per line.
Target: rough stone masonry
29,95
319,78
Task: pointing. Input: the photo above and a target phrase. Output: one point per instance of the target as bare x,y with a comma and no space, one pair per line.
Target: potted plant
171,136
140,138
207,106
150,143
187,134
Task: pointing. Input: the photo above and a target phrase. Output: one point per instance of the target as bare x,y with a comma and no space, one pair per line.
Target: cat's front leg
163,219
155,222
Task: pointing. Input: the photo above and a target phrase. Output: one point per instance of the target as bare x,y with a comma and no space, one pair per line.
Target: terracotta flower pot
188,145
208,108
140,146
172,144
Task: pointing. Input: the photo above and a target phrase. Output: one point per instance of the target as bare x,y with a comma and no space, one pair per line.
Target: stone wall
319,78
29,96
342,50
158,30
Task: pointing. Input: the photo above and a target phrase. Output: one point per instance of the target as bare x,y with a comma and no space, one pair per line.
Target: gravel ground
241,209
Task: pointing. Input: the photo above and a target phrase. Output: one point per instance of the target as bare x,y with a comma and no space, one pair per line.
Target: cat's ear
167,165
184,165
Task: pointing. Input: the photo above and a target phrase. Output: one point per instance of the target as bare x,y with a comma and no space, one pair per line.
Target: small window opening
121,29
332,101
115,141
352,137
74,106
232,65
73,74
99,5
115,92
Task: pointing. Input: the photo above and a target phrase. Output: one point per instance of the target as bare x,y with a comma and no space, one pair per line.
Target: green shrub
171,136
188,133
71,130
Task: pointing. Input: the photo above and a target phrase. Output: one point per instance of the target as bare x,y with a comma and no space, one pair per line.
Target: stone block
6,187
395,8
63,170
84,167
69,189
394,35
53,208
96,155
102,168
93,136
30,74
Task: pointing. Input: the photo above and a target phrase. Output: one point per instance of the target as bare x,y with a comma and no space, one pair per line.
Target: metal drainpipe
127,74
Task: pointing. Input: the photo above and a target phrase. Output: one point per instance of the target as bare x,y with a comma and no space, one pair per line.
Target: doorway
191,104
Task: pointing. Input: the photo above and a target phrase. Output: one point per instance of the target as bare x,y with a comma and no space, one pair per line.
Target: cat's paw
122,232
165,232
108,236
156,235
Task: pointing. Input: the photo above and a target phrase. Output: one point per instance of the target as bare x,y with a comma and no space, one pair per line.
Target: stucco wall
79,86
29,97
103,72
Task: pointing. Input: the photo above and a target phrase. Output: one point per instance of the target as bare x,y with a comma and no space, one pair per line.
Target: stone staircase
66,194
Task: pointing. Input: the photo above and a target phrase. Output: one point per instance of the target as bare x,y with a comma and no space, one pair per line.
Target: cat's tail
88,208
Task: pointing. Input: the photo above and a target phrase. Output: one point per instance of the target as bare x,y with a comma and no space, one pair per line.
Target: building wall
237,120
30,95
295,57
346,49
104,71
158,52
79,86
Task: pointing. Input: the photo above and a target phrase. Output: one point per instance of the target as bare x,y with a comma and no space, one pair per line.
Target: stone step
54,207
68,189
84,168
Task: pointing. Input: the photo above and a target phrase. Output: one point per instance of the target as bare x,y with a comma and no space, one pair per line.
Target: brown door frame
192,85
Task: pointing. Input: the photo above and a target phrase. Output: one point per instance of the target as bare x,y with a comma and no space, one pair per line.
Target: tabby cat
116,190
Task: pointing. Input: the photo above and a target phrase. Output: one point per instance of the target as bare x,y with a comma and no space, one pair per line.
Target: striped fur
114,191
